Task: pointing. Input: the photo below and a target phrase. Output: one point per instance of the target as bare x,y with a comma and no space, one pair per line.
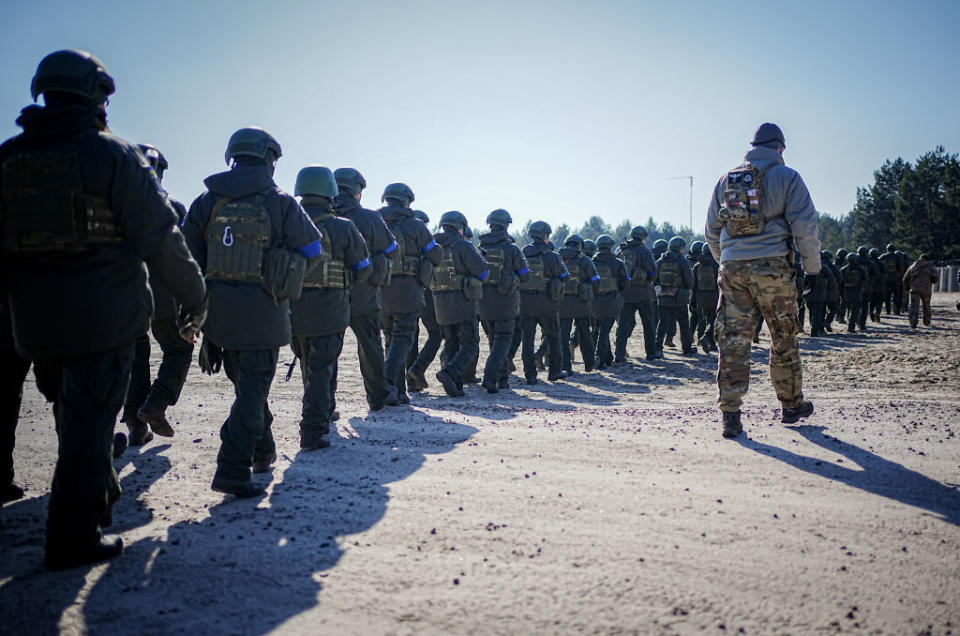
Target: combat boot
119,444
392,399
106,548
312,440
156,416
243,489
490,386
538,360
263,464
731,424
560,375
416,381
139,434
503,384
791,415
449,384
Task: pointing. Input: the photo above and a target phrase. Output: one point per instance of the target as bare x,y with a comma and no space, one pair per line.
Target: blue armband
483,275
361,264
311,250
564,275
521,272
390,248
628,276
429,246
595,278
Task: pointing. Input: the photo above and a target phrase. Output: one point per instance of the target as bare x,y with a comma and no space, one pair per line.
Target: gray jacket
786,198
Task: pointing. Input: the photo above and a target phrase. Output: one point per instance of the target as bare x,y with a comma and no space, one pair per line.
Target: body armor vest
851,276
669,278
538,280
46,209
706,279
607,282
496,258
741,211
445,277
571,284
893,274
238,236
403,264
330,273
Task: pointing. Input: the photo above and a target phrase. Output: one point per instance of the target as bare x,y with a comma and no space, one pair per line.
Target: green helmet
317,181
74,72
454,219
589,247
420,214
157,161
696,248
874,253
399,191
605,242
891,247
853,258
863,251
659,247
576,239
639,233
252,141
349,180
540,230
499,217
825,255
677,244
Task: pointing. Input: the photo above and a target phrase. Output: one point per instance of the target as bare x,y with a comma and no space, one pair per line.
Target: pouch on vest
741,210
630,262
851,277
684,294
380,276
329,273
495,258
537,281
424,272
585,291
706,279
283,274
509,283
607,283
45,207
472,288
445,277
555,290
571,284
237,237
669,278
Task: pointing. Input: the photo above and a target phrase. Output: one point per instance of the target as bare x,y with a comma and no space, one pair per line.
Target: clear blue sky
552,110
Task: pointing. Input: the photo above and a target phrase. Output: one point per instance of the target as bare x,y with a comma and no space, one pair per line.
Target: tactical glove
190,323
211,357
809,283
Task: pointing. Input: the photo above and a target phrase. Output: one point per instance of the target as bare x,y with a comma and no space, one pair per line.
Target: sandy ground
607,503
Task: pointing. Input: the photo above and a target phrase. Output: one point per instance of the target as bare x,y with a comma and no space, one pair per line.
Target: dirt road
607,503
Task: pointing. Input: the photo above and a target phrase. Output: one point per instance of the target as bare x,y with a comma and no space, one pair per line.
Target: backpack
741,210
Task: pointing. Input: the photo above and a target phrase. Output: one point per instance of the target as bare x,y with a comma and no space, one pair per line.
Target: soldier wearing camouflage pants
755,211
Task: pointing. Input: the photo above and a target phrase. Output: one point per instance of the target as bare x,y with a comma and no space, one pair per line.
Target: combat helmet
74,72
349,180
157,161
676,244
422,216
863,251
605,242
317,181
825,255
454,219
540,230
252,141
499,217
639,233
853,258
400,192
589,247
891,248
576,239
696,249
874,253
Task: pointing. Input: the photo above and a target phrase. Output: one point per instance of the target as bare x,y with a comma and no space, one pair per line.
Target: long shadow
34,600
504,405
876,475
252,565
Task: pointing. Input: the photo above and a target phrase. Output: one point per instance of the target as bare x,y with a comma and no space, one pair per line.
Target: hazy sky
552,110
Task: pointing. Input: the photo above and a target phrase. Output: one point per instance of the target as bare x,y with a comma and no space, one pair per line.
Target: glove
211,357
809,282
190,323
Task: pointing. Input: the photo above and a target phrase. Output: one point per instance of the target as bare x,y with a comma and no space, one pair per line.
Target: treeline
595,226
914,206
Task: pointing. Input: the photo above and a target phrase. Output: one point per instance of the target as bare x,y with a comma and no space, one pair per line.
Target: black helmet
350,180
454,219
639,233
589,247
853,258
74,72
399,191
499,217
768,133
157,161
825,255
696,248
605,242
421,215
576,239
891,247
874,253
540,230
677,243
863,250
252,141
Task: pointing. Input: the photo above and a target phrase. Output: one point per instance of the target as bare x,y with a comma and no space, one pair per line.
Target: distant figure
608,302
539,302
757,209
918,281
578,293
639,296
853,282
674,292
706,293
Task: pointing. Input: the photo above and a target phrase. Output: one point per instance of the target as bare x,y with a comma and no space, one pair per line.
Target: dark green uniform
500,305
538,306
578,292
638,298
321,315
706,291
608,302
11,394
675,278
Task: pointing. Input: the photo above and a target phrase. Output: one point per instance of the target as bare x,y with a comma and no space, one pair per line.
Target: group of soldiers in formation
253,268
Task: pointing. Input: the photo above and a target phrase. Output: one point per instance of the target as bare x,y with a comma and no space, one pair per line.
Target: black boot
731,424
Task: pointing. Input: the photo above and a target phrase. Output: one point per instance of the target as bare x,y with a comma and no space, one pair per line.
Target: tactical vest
670,279
538,280
851,276
890,260
706,279
496,257
46,208
403,264
571,284
630,262
741,210
607,282
445,276
238,236
330,273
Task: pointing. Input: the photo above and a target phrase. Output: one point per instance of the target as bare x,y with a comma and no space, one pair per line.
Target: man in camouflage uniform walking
756,211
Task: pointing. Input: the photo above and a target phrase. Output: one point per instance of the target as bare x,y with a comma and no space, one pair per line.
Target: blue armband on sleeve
390,248
595,278
311,250
564,275
429,246
521,272
483,275
361,264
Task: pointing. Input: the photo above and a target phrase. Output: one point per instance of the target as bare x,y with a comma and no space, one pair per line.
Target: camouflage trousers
750,290
916,300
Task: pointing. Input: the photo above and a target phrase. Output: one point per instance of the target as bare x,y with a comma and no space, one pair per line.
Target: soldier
877,291
419,359
834,291
706,291
319,318
756,211
674,289
863,259
539,302
55,262
816,296
839,263
578,292
639,296
853,282
403,299
918,281
145,404
457,285
696,324
240,230
660,247
500,305
365,294
608,302
892,279
11,395
900,298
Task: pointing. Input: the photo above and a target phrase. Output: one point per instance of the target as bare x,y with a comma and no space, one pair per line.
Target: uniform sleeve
194,227
428,246
358,257
559,267
520,265
299,232
804,223
588,271
150,226
474,262
711,229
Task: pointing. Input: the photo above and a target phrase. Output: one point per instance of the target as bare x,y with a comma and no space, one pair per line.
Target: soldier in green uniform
918,281
757,210
231,230
457,285
578,291
696,322
706,293
879,284
863,259
675,288
539,302
833,292
419,359
365,294
319,318
82,212
839,262
892,278
612,279
816,297
639,296
853,280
